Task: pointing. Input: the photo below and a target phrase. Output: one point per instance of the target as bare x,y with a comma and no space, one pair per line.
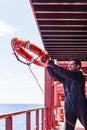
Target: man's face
72,66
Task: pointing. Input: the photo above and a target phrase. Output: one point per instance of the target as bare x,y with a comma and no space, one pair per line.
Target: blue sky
17,85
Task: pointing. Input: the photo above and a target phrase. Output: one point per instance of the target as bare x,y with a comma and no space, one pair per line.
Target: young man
74,88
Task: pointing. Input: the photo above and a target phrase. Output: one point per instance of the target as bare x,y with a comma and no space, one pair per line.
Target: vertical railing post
46,119
48,99
37,119
42,118
28,123
8,122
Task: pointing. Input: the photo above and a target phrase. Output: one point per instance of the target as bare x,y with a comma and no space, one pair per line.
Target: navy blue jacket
74,86
75,100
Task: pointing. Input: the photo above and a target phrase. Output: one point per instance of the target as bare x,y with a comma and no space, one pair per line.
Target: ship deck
61,126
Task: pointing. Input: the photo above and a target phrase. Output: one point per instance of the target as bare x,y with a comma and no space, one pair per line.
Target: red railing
39,115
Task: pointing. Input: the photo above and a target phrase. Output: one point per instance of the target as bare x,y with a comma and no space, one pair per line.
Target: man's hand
45,60
48,61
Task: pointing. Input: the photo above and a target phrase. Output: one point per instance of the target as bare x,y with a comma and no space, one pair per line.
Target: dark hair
77,61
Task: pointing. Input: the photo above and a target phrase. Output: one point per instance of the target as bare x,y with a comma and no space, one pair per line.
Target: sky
17,84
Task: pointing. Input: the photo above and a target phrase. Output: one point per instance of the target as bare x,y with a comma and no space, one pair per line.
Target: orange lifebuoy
22,47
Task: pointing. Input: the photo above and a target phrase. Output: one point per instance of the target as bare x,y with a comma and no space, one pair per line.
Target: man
74,88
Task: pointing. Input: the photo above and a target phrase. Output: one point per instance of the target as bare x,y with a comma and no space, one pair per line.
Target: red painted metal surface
9,122
42,120
28,122
37,120
48,99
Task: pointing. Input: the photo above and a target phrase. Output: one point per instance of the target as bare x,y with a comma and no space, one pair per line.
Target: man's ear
78,66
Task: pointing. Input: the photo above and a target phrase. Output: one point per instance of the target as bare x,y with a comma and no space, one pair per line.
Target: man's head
74,64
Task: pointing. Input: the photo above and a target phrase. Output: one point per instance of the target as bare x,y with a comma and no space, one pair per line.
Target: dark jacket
75,106
74,85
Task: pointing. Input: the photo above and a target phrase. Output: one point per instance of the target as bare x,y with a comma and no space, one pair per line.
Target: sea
18,121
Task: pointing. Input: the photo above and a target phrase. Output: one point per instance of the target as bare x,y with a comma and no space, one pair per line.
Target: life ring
22,48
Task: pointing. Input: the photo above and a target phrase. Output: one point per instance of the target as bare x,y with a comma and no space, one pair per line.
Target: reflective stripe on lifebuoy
20,46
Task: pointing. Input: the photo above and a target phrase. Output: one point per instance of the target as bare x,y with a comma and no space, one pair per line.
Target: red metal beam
48,99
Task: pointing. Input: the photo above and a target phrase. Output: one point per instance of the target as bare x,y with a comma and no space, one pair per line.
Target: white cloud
7,29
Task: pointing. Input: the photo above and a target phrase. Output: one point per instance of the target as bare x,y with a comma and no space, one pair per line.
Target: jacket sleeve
66,74
54,75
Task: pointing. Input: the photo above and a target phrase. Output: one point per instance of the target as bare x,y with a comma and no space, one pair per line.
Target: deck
61,127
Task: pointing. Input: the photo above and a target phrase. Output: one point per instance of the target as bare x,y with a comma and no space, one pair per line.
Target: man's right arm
54,75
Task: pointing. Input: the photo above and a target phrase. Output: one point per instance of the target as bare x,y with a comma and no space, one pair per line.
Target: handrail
40,118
